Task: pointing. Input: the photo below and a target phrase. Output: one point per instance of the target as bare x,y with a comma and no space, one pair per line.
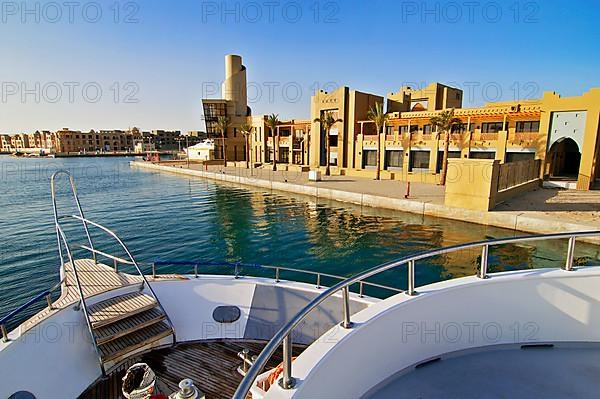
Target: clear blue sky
173,50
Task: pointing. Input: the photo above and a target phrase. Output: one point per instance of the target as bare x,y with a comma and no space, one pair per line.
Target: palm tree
443,122
377,116
246,130
272,122
327,121
223,123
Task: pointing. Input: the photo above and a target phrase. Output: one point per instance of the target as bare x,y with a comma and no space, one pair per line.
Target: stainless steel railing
277,272
46,294
62,239
81,296
284,335
117,260
77,204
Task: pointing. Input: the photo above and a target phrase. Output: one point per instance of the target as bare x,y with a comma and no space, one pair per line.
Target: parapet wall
481,184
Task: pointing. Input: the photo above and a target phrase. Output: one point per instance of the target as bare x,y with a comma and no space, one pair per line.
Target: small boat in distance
120,327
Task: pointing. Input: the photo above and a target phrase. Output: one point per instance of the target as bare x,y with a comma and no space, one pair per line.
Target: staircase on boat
125,323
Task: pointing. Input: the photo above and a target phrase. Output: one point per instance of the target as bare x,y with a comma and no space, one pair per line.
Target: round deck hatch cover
226,314
22,395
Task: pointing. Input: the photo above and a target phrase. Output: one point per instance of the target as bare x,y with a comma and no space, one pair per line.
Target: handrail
44,294
284,333
132,262
82,296
77,203
106,255
277,270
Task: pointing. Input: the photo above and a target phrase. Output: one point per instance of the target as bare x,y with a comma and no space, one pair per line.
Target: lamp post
187,151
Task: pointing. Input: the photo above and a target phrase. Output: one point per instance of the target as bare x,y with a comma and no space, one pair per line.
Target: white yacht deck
564,371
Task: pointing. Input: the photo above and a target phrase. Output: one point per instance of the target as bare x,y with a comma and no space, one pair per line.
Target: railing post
570,254
484,262
318,281
245,354
196,270
287,381
276,274
346,323
236,272
153,270
4,333
49,301
361,287
411,278
116,265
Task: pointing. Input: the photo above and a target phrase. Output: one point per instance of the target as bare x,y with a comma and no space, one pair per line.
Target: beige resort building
559,135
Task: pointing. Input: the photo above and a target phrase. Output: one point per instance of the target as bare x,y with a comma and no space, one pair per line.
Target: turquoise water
169,217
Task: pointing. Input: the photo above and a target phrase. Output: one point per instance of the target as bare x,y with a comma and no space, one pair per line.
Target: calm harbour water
174,218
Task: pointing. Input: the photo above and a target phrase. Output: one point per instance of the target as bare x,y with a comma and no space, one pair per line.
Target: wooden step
126,326
135,340
119,308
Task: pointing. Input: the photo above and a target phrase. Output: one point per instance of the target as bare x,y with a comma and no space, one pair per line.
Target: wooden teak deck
211,365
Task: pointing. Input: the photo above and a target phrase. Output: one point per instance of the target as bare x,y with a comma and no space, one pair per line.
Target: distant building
102,141
5,143
19,141
197,133
166,139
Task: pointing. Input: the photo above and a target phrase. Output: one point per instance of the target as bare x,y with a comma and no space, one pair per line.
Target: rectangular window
491,127
333,141
427,129
394,158
389,130
520,156
419,160
482,155
284,155
440,160
333,159
461,128
528,126
369,158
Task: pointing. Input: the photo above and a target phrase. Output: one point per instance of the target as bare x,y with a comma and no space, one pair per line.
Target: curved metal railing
276,270
81,296
284,335
117,260
18,310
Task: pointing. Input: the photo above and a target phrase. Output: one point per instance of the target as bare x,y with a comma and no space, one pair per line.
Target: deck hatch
226,314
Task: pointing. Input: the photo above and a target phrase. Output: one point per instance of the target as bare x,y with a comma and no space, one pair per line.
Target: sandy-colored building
291,140
70,141
561,132
348,105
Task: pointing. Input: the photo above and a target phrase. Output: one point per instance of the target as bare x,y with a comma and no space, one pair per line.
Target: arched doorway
564,158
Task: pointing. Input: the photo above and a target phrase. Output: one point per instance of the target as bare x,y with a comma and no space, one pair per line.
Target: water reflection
168,217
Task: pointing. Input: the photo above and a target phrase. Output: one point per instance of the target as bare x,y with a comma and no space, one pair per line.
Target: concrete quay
425,199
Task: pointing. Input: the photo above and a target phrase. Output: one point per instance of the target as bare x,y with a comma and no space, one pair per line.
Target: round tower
235,84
